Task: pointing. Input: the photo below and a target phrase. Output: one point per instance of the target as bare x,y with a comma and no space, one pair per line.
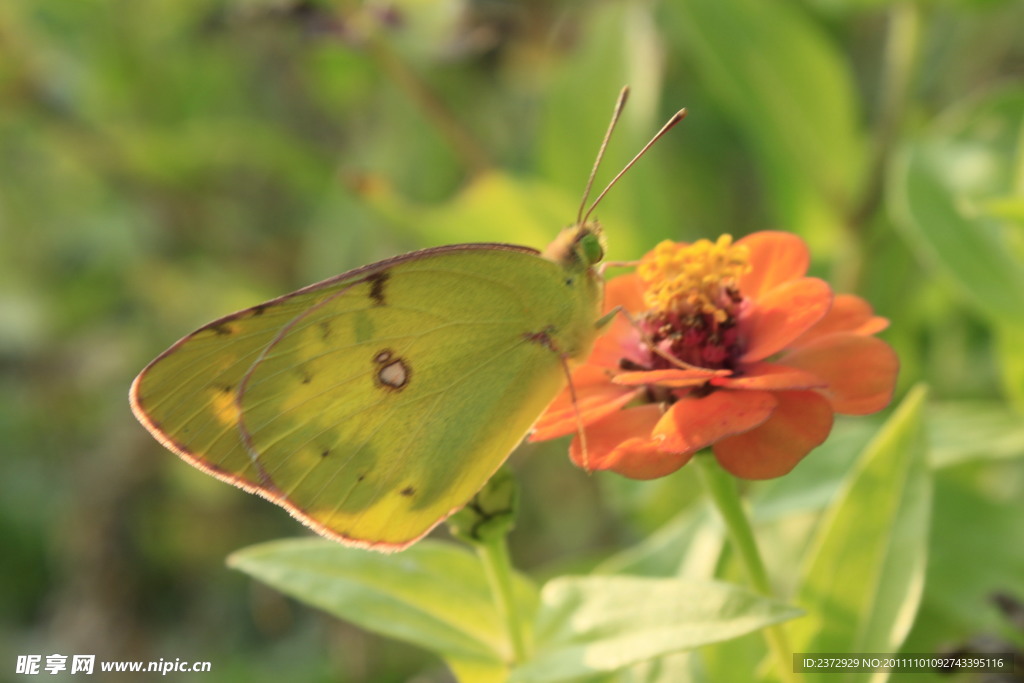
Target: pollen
698,279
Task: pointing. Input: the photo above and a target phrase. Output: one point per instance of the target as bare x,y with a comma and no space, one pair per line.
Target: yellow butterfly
374,404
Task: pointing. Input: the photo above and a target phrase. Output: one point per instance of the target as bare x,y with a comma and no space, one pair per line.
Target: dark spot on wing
408,491
222,328
258,310
325,330
543,337
325,452
377,282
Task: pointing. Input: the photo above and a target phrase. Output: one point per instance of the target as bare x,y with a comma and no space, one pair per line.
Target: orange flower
725,345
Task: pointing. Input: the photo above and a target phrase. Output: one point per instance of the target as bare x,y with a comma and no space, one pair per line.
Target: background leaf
601,624
937,183
865,569
786,87
167,162
434,595
976,504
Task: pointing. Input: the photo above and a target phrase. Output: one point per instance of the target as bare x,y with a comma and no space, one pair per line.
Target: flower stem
493,554
462,143
901,52
722,489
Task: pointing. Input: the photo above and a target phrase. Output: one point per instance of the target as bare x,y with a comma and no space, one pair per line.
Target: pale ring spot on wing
392,371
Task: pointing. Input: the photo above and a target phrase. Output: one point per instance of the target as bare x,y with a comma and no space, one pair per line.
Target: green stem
1017,173
722,489
901,53
494,556
465,147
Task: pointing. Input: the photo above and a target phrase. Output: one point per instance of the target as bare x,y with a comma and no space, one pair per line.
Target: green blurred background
164,162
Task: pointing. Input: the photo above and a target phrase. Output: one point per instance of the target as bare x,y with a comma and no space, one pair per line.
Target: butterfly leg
544,338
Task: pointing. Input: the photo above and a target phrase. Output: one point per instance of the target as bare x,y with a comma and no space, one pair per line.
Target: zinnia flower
725,345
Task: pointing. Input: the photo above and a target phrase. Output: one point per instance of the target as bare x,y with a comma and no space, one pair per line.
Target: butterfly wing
374,404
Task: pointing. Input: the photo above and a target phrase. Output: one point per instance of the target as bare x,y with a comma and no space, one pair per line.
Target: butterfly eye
589,248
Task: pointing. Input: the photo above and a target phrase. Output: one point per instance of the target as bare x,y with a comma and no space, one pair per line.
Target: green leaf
975,552
682,667
578,106
616,44
477,670
814,484
1009,341
685,545
865,569
433,595
939,192
600,624
960,431
963,248
787,86
498,205
1006,208
740,659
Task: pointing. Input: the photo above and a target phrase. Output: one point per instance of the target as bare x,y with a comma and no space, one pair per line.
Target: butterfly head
577,247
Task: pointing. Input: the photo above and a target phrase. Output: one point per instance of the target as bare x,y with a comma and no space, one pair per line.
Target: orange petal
626,291
849,313
623,443
782,315
769,377
619,340
860,371
693,423
586,379
596,397
669,378
802,420
775,257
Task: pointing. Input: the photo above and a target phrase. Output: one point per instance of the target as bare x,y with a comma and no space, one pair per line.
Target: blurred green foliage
165,162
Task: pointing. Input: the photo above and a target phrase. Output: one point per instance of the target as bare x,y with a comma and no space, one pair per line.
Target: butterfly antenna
676,118
619,106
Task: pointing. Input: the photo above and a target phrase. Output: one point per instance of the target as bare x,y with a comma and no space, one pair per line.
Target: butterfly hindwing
375,403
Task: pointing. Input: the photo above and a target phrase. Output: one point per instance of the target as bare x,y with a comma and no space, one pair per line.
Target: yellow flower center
694,279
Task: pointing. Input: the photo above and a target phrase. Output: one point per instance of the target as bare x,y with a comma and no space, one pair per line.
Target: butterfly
374,404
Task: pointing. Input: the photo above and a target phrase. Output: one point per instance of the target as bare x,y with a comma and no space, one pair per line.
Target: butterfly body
374,404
